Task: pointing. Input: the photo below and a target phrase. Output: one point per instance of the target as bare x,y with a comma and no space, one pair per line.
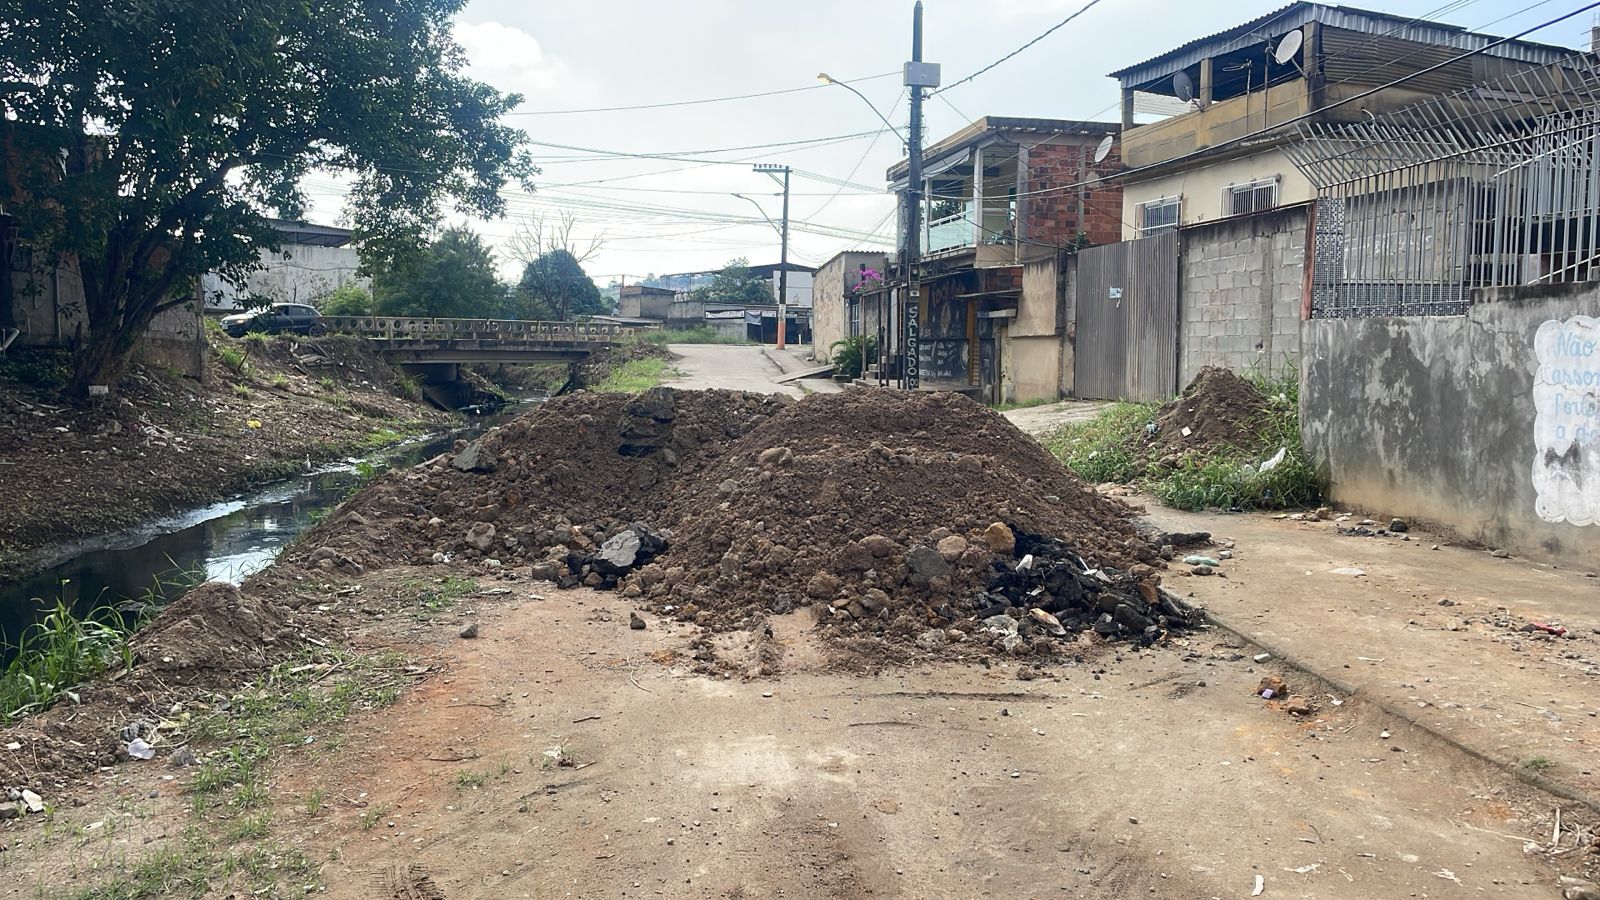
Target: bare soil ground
465,730
1441,631
562,753
165,443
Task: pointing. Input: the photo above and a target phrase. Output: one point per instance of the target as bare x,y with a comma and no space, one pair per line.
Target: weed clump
1229,441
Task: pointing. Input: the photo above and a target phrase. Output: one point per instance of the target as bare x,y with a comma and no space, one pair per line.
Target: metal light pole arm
881,117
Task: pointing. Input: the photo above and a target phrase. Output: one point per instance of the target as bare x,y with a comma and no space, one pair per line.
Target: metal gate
1127,328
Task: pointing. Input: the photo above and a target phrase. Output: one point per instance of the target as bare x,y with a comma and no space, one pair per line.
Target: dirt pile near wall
1217,412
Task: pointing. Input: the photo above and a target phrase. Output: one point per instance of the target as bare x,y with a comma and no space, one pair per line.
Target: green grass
58,653
258,339
241,390
409,387
234,358
285,708
1097,450
382,437
1107,448
279,381
445,592
634,376
700,334
1537,764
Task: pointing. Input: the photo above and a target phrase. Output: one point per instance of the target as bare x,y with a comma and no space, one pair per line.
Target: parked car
279,318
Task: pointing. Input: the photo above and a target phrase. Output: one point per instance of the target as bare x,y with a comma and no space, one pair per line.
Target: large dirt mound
884,498
901,515
1218,412
569,473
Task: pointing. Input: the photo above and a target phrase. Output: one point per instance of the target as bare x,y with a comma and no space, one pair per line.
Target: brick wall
1242,284
1057,217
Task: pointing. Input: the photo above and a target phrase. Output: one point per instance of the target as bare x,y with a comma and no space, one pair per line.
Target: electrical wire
677,103
1085,8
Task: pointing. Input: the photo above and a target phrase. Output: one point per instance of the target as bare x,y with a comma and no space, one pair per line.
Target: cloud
509,59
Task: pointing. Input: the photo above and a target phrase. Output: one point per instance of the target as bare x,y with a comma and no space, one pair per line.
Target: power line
1085,8
675,103
682,155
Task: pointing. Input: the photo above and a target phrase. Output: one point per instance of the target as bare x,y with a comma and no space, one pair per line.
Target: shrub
348,300
851,354
58,653
235,359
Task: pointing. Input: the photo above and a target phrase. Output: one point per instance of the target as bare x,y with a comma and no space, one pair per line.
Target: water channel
226,541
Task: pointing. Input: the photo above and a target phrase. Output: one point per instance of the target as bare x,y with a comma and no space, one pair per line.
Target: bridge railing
508,330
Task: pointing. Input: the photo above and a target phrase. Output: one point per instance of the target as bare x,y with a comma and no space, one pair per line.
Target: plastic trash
1275,461
1026,563
139,749
1200,561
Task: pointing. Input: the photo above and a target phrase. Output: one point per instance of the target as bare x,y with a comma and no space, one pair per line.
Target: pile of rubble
921,518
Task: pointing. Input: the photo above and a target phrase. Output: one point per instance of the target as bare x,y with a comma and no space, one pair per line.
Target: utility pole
918,75
783,252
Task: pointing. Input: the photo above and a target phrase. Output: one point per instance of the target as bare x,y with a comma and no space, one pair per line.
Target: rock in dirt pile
907,517
1217,412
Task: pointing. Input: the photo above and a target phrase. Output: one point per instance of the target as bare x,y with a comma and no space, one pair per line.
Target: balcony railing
952,231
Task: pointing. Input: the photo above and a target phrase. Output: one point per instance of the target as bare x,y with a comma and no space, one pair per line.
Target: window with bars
1250,197
1156,216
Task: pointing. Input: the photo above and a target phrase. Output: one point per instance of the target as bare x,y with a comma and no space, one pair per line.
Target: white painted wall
1201,188
300,273
799,289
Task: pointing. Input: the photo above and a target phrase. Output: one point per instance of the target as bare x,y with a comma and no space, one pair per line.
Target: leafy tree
553,284
736,284
348,300
451,278
155,136
555,287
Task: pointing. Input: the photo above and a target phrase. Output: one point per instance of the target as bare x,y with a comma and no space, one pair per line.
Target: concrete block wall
1242,285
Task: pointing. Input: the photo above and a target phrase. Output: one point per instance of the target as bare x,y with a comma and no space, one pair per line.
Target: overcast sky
607,53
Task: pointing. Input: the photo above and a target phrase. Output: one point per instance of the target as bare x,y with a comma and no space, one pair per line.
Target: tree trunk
100,358
8,301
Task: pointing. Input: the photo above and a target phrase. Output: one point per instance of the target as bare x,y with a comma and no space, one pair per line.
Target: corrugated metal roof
1285,20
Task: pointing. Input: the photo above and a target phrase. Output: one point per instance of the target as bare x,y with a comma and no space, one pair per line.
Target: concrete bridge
435,349
416,341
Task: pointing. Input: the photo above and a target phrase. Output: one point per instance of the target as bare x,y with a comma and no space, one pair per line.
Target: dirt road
1439,631
563,754
735,367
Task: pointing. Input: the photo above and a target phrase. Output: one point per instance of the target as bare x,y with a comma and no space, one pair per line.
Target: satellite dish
1183,86
1104,150
1288,47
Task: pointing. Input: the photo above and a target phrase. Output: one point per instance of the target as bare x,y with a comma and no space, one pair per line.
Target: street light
825,78
762,211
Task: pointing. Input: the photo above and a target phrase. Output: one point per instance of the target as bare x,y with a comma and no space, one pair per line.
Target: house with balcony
997,196
1238,93
1213,132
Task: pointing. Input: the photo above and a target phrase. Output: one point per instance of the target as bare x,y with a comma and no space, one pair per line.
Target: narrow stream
227,541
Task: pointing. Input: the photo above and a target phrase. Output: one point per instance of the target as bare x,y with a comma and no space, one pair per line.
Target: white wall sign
1566,425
